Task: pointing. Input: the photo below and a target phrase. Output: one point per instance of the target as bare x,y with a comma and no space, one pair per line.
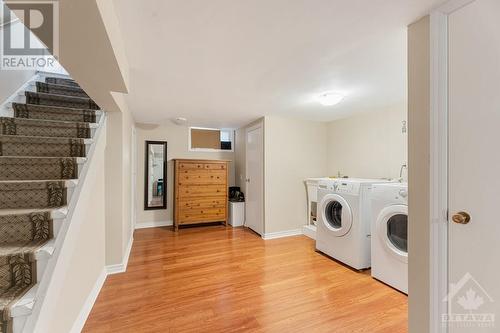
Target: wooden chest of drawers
200,191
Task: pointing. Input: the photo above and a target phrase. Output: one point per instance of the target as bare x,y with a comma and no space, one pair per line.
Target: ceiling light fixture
330,98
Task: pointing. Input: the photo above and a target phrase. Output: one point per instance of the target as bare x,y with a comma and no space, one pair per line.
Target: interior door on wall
255,179
474,167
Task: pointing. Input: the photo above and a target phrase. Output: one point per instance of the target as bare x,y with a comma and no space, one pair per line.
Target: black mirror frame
146,174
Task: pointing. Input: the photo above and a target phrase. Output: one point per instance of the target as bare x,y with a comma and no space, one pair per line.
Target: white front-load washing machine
390,234
343,226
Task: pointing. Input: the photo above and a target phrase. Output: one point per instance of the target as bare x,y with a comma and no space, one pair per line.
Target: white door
255,179
474,167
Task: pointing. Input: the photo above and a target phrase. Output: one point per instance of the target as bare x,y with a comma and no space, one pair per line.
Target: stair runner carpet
39,147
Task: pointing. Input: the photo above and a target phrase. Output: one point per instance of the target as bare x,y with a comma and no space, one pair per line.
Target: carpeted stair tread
57,113
14,145
21,247
44,128
60,100
57,89
35,225
67,182
27,211
62,81
40,194
38,168
8,298
17,275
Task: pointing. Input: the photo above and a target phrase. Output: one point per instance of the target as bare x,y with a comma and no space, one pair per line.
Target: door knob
461,218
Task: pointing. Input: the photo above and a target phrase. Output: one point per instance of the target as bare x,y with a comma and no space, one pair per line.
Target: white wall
418,177
128,222
113,30
294,150
177,147
119,221
12,80
369,145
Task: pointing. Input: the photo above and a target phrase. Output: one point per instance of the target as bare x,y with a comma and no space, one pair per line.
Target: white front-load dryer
390,234
343,226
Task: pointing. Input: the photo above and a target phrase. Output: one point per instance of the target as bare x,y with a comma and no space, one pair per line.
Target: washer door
336,214
392,231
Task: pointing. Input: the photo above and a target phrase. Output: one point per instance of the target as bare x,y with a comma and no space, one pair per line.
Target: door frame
438,185
133,175
249,129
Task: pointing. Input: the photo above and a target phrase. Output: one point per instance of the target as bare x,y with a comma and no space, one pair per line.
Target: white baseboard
153,224
280,234
309,231
120,268
89,303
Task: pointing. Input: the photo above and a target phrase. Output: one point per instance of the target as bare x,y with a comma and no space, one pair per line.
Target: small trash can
236,213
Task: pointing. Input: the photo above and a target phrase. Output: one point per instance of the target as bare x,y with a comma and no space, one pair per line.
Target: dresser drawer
202,215
201,177
191,166
189,191
214,166
199,203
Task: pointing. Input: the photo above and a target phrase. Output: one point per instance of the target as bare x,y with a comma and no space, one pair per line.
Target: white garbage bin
236,213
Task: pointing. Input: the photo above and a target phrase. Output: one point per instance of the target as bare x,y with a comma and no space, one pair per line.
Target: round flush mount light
330,98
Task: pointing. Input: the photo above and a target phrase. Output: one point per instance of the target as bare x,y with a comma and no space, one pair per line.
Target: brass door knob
461,218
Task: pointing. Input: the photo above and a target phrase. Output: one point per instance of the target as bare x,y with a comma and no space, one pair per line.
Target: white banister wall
80,269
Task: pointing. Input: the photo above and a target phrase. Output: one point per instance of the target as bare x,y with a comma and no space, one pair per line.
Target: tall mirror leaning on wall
155,178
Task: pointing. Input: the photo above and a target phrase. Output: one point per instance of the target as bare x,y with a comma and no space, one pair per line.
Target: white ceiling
224,63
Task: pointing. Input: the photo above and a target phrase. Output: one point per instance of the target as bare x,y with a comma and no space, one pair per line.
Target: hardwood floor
217,279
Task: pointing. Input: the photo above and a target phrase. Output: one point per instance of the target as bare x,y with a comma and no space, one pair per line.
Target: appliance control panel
346,187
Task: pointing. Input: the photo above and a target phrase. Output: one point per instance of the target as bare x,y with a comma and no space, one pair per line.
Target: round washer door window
336,214
392,231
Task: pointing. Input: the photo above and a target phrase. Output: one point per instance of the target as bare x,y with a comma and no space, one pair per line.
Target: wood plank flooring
217,279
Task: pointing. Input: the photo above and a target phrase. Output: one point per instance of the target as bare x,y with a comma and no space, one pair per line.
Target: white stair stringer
26,310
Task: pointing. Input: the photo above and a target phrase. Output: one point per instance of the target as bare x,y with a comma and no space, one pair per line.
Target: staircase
45,138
